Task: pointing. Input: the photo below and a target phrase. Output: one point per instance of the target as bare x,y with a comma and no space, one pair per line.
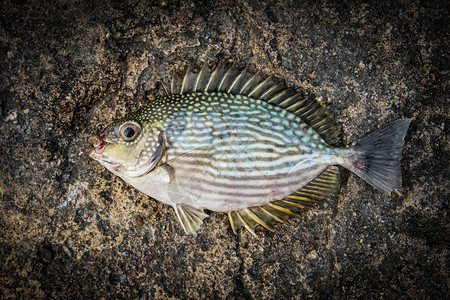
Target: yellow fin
319,189
190,218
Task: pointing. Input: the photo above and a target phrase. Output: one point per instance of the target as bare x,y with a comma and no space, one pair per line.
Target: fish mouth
97,152
98,143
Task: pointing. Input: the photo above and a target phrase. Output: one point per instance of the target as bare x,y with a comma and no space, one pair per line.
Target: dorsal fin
319,189
230,80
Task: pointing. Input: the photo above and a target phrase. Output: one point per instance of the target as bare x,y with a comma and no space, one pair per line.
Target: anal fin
318,190
191,218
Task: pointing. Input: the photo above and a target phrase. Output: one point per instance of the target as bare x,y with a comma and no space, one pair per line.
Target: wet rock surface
69,228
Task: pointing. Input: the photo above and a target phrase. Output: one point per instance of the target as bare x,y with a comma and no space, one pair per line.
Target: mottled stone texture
71,229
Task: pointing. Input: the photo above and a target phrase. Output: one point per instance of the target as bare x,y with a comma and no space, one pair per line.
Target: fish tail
378,154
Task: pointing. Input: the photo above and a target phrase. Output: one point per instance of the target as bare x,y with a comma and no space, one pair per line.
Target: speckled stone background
71,229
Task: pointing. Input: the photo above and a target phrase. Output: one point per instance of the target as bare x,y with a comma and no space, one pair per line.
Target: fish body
232,142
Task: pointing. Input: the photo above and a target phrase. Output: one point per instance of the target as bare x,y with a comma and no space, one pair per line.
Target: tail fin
378,156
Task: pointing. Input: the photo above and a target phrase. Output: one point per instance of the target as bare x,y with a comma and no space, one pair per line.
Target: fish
229,140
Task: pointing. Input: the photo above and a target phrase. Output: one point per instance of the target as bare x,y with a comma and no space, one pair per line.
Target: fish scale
242,138
231,141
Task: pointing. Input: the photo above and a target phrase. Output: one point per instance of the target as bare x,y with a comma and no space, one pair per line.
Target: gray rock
68,228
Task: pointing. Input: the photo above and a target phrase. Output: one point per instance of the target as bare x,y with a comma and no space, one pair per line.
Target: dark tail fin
378,156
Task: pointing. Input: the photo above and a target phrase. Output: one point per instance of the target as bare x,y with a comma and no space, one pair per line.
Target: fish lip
98,143
100,148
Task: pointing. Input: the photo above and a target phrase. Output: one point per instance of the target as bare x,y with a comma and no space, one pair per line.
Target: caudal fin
378,156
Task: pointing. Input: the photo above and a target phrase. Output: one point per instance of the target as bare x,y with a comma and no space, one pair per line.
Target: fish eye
129,131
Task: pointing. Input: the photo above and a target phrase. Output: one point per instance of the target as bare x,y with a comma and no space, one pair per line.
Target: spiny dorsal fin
321,188
190,218
232,81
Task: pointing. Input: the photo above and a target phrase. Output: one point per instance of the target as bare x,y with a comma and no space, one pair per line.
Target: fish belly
227,194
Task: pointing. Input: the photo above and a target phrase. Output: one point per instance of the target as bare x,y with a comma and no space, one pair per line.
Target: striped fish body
233,142
230,152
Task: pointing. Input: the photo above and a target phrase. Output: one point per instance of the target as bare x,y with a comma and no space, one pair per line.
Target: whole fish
231,141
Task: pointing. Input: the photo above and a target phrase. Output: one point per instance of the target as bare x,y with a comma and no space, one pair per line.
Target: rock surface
69,228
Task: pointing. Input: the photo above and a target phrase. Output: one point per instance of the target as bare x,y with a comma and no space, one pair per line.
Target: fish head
129,147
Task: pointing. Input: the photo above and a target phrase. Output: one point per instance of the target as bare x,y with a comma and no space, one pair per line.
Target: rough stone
69,228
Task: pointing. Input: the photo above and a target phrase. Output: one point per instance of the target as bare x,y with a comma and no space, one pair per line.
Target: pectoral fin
191,218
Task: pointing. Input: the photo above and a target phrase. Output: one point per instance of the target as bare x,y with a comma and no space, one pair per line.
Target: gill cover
148,165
